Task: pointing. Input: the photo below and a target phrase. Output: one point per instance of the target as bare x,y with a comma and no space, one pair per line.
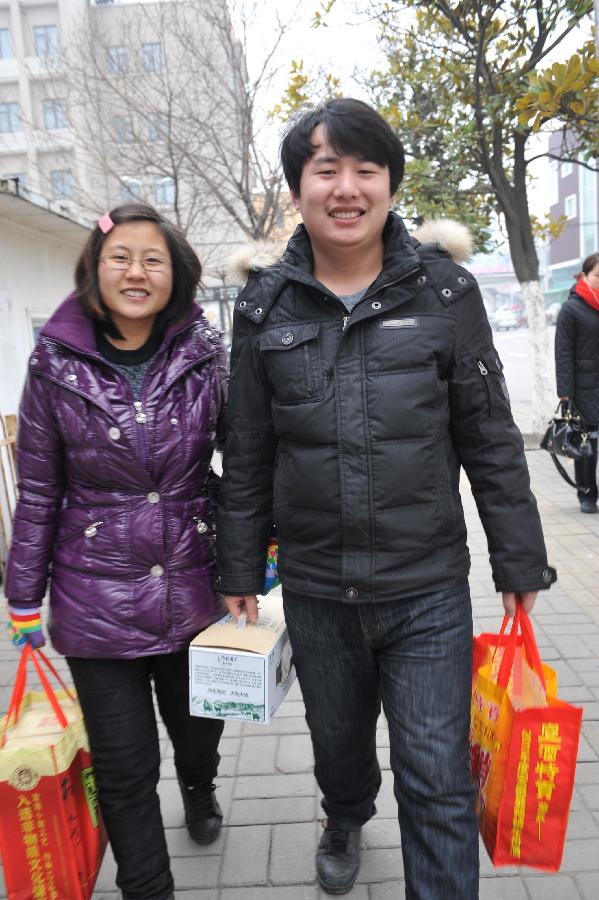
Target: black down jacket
349,431
577,356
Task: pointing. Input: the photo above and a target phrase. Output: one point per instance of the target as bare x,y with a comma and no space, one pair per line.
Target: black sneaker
338,858
588,505
203,815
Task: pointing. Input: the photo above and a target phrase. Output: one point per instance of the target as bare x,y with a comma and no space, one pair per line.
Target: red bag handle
16,699
531,647
522,623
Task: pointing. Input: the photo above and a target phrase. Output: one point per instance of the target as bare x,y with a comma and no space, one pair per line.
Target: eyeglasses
148,263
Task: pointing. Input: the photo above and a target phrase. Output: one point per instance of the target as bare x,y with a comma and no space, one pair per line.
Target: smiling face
134,294
344,201
592,278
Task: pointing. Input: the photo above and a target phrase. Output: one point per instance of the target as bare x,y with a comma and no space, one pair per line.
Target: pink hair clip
105,223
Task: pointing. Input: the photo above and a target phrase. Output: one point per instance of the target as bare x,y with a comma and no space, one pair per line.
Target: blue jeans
414,655
116,698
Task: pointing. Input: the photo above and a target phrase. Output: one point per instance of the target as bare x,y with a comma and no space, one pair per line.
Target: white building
39,246
102,102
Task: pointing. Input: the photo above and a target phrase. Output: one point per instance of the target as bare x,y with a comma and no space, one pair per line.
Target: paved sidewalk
268,793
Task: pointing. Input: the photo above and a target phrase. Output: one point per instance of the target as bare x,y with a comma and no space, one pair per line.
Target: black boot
203,815
338,858
588,505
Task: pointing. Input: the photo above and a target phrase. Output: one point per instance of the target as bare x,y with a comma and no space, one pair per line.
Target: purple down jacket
131,544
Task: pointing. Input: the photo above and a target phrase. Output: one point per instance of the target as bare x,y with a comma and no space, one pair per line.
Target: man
363,377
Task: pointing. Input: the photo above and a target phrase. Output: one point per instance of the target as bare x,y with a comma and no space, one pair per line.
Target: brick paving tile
552,887
292,853
246,855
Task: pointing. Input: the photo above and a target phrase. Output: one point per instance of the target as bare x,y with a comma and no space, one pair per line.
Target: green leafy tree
466,87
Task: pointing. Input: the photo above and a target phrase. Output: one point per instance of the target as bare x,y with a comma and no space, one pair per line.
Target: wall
36,273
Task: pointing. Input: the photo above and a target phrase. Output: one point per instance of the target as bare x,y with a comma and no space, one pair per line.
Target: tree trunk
513,202
543,385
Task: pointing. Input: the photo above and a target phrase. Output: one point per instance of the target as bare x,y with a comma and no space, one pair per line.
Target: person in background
577,368
363,377
117,426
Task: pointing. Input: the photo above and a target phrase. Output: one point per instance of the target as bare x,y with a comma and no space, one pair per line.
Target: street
514,352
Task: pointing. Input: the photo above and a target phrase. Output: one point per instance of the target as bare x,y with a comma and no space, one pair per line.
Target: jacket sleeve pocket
491,371
292,361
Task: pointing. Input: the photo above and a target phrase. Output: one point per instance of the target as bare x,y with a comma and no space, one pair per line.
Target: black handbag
567,436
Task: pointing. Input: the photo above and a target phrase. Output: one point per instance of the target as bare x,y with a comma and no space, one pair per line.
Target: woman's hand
247,604
526,598
25,626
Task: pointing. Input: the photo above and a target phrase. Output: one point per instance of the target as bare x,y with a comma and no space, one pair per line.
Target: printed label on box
228,685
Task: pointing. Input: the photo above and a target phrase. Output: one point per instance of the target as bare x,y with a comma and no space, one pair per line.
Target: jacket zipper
307,370
141,418
483,369
381,287
92,529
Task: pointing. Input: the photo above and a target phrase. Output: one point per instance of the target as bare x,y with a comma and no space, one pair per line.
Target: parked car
505,319
521,316
552,312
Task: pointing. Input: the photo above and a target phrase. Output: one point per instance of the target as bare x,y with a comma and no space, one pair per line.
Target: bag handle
18,693
531,647
520,622
566,477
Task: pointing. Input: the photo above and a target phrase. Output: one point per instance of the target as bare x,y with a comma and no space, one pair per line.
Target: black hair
588,265
186,269
353,128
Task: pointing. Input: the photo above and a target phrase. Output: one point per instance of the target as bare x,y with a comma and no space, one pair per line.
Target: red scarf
587,293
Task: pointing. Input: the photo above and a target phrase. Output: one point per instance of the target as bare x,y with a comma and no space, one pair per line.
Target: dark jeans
116,698
416,656
586,472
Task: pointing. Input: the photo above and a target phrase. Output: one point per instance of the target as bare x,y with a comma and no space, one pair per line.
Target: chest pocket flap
288,336
296,371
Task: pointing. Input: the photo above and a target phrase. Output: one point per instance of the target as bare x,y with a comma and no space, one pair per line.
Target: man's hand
248,605
526,598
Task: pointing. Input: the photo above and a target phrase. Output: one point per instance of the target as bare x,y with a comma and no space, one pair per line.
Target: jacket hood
453,238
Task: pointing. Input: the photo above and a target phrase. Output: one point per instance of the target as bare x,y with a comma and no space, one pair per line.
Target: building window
565,169
62,183
10,118
118,60
157,126
5,47
129,189
45,38
152,57
553,186
55,114
37,323
123,129
570,206
164,190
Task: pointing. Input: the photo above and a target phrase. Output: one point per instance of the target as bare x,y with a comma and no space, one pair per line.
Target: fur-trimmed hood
453,237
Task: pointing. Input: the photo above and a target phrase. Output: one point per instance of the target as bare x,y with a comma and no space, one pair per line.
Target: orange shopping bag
523,747
52,838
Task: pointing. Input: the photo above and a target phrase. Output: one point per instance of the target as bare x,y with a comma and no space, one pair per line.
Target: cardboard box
241,673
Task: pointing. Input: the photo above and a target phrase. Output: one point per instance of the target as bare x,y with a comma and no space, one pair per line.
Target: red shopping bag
52,839
523,747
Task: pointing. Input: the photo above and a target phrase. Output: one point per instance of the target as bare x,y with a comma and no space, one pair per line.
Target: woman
577,367
117,427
